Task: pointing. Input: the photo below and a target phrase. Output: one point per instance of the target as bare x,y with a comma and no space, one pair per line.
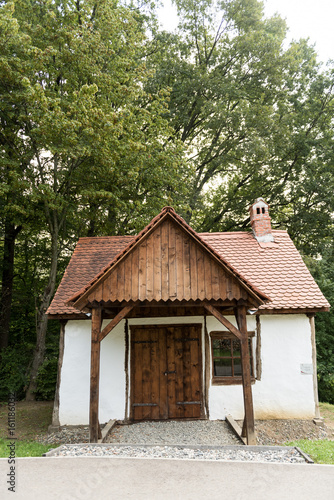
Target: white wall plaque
306,369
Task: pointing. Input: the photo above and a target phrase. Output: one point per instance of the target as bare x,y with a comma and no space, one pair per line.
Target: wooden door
166,372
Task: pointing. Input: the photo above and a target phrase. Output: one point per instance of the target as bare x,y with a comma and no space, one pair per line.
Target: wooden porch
140,310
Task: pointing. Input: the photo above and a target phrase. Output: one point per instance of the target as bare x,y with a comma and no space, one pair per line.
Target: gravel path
188,440
288,455
191,432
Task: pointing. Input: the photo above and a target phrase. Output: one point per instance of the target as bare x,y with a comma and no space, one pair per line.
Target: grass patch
321,451
31,418
25,448
327,412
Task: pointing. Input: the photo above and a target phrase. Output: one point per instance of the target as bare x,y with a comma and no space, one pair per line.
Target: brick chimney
260,221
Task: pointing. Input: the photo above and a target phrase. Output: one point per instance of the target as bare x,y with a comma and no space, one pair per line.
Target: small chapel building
174,324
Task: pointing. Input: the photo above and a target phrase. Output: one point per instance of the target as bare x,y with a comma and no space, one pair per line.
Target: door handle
167,373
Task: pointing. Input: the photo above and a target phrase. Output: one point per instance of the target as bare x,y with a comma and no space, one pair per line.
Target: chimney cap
260,202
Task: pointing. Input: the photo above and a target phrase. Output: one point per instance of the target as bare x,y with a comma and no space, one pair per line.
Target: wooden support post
246,376
314,361
244,430
94,426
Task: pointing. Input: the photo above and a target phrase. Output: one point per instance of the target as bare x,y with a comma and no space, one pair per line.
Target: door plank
155,373
171,373
187,393
136,372
195,371
146,374
162,363
179,396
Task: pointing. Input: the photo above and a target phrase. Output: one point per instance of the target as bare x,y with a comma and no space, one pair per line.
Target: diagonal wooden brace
222,319
121,315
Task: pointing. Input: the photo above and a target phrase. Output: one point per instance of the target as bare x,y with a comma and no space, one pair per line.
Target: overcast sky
313,19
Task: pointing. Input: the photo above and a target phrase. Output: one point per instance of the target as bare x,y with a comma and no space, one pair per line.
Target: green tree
255,117
15,154
87,126
323,271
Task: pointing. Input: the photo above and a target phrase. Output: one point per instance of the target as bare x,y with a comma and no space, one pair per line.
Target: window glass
221,347
236,348
223,367
237,367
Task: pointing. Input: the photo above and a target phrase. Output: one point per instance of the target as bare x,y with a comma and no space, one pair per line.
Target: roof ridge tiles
246,233
94,238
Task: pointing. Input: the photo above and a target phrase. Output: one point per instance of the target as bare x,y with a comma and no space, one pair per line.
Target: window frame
229,380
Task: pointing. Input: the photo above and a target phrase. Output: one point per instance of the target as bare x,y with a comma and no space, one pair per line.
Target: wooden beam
314,362
95,376
222,319
244,429
242,335
236,428
248,425
293,310
121,315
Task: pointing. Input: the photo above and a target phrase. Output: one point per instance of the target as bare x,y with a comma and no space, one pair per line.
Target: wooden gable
167,263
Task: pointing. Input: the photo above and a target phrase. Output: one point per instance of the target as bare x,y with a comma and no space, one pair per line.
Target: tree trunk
42,319
11,233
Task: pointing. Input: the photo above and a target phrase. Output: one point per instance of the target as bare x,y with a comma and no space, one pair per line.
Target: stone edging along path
273,454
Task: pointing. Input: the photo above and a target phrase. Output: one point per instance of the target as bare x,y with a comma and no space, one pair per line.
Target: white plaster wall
282,392
75,374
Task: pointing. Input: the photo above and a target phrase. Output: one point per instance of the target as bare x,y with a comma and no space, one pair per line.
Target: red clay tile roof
90,256
276,269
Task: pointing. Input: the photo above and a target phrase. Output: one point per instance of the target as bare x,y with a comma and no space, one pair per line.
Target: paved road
116,478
